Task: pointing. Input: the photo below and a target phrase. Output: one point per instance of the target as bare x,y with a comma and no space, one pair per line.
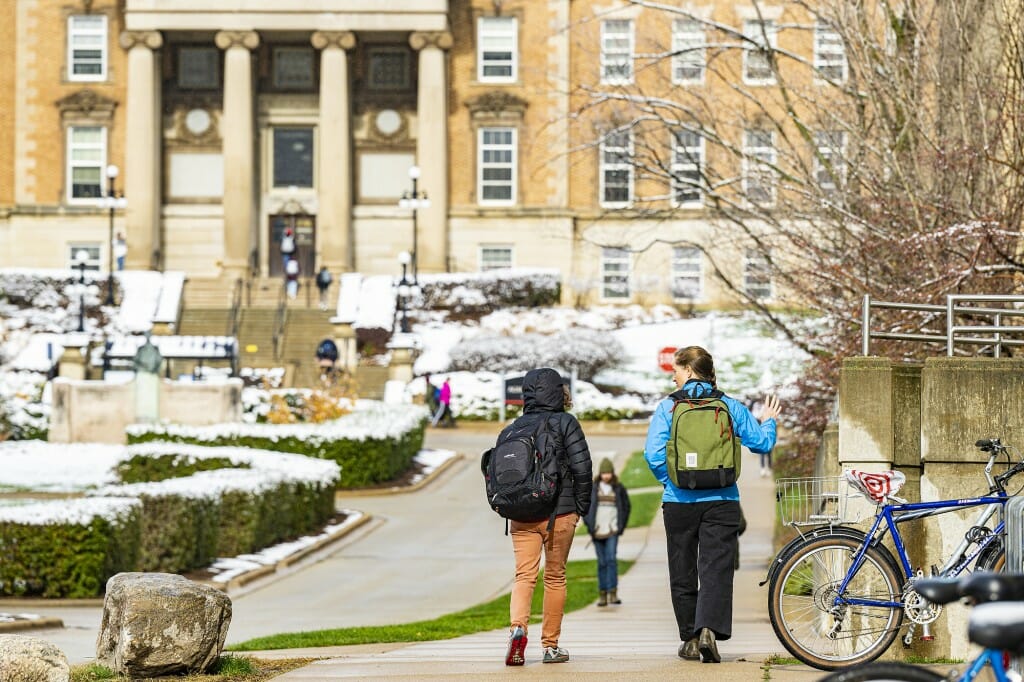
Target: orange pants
527,541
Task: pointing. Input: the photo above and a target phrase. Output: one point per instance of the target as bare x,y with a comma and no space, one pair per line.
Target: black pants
701,554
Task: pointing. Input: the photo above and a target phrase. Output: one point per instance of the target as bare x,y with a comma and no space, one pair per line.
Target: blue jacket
758,437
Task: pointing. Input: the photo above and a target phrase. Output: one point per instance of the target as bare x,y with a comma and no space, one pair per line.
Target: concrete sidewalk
636,641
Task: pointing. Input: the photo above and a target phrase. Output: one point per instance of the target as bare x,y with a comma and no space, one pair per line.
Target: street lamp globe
404,258
414,172
81,258
112,171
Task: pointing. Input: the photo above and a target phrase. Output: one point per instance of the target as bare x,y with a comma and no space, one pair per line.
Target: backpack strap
545,431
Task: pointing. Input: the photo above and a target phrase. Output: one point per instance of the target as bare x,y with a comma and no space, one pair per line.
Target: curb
263,571
399,489
31,624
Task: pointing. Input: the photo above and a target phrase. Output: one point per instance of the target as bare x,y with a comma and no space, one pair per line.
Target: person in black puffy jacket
544,399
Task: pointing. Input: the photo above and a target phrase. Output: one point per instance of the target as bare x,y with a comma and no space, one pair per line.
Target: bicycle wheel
993,558
884,672
824,636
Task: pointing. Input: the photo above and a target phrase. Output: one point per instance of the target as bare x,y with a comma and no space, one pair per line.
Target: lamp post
81,257
404,288
113,202
414,200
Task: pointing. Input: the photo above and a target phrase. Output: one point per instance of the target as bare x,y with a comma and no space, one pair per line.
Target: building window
829,53
757,275
388,68
758,164
293,157
757,54
687,275
614,273
198,68
617,51
87,157
92,249
497,54
87,47
687,166
617,169
496,179
829,162
293,68
495,258
688,51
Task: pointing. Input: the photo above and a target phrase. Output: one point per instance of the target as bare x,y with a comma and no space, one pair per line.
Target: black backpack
523,474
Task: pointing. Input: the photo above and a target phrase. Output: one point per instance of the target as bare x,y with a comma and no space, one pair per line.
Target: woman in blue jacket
702,524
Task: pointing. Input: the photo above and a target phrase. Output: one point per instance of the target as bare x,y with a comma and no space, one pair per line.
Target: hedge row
367,461
70,558
476,294
70,548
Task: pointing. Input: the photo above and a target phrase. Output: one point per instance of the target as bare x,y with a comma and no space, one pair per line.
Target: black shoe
689,650
708,647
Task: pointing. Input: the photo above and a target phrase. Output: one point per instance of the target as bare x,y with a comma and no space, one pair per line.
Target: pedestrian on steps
606,521
323,283
291,277
702,523
287,247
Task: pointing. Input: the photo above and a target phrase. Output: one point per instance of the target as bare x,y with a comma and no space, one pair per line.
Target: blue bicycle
837,596
997,624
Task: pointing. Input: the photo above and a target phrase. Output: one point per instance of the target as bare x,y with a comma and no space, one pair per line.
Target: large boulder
161,624
28,659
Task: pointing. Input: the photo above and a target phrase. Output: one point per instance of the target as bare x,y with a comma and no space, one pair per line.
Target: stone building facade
233,122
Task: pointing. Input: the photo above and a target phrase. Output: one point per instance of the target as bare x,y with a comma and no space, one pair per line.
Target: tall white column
142,182
236,128
432,147
334,184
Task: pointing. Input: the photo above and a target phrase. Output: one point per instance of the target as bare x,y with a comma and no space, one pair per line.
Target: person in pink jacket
444,408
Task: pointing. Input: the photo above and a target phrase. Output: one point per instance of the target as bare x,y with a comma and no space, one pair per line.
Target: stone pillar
432,147
400,367
142,181
866,438
345,339
73,363
236,128
334,186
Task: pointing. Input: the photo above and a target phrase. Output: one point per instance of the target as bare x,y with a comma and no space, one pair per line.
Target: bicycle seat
938,590
877,487
998,625
990,587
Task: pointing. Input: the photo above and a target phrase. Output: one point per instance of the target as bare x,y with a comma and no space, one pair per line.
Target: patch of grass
925,660
636,473
227,669
581,579
781,660
644,507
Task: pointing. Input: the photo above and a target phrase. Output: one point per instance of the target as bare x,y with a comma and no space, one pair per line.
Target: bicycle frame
992,657
894,514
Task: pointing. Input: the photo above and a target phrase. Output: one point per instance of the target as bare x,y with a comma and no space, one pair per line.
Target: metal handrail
236,306
279,320
955,333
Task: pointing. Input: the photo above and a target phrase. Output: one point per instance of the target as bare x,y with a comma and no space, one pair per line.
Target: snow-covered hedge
69,548
477,293
23,414
82,543
374,443
584,350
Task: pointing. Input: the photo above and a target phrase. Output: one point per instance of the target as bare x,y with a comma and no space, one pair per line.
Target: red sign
666,358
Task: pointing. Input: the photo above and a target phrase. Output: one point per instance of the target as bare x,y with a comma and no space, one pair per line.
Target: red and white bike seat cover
877,487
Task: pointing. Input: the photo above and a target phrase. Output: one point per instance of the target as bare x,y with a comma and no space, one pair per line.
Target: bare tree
853,147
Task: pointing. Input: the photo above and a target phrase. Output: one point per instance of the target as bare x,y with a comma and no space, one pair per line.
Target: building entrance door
304,229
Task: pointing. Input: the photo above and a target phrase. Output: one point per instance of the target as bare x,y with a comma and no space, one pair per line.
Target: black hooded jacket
543,399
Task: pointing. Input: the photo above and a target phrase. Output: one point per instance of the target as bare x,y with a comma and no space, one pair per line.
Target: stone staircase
256,337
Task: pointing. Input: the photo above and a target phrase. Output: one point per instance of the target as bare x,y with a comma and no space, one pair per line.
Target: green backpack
702,451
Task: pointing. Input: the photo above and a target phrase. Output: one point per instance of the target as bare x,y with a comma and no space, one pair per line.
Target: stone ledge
30,624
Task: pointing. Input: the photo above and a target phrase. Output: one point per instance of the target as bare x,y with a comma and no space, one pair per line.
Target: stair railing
236,307
279,321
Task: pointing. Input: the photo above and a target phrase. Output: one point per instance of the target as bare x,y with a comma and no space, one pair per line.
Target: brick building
231,122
